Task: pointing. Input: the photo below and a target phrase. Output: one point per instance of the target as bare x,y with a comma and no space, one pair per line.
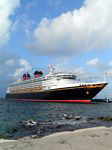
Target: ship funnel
38,74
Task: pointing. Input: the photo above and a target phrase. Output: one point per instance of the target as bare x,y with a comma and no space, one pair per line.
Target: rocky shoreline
70,122
98,138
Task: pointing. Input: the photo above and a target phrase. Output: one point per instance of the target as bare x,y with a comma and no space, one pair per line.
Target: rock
68,116
50,121
29,123
13,130
50,114
34,136
2,136
77,118
89,119
59,126
105,118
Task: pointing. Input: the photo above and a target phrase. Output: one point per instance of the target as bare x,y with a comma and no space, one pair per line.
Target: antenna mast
51,68
105,77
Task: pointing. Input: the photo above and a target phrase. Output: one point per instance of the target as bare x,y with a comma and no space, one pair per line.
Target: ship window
66,77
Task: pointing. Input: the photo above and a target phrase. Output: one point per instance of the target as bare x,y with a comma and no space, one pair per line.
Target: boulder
29,123
66,116
77,118
105,118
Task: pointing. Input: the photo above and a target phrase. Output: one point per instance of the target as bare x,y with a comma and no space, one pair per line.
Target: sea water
12,112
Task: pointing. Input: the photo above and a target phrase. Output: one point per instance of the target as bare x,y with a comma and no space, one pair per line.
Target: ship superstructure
57,87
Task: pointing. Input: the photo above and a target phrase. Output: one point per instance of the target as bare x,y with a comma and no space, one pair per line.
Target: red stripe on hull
70,101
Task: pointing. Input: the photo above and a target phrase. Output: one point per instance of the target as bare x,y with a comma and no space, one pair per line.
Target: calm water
12,112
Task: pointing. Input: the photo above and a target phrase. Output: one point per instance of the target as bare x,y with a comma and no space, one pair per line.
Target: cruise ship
53,87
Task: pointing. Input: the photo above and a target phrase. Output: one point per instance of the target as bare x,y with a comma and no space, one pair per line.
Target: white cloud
100,65
10,62
27,25
86,29
7,8
22,22
11,68
24,66
94,62
79,71
109,72
103,68
110,63
83,74
15,25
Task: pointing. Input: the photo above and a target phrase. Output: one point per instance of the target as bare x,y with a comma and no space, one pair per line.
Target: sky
71,35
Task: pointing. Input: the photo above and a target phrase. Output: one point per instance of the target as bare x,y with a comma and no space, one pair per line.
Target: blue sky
71,35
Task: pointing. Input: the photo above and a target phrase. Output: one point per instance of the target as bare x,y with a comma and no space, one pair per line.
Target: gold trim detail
42,89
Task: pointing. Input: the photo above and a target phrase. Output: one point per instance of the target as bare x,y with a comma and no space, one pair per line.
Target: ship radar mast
105,77
51,69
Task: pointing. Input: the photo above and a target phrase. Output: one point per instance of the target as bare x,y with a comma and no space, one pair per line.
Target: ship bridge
66,76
